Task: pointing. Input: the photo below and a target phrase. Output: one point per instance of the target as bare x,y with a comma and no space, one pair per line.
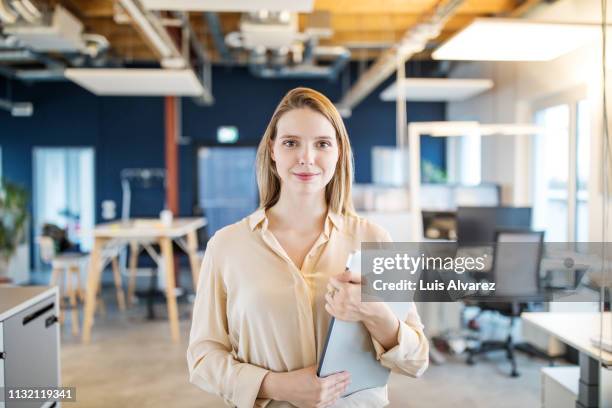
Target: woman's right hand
304,389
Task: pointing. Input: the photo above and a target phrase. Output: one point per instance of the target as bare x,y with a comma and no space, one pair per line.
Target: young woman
271,281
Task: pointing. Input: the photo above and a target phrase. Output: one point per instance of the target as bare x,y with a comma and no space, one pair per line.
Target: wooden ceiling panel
380,6
379,22
459,21
92,8
487,6
353,22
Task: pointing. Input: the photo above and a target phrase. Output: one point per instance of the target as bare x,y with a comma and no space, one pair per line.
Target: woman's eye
324,144
289,143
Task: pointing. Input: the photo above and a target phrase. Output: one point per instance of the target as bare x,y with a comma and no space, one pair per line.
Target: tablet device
349,347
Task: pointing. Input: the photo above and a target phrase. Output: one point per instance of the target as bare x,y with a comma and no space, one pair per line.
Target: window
561,171
64,192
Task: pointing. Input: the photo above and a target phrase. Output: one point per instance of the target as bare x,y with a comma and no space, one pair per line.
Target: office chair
516,264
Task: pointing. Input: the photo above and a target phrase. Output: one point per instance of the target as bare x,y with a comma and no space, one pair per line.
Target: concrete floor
131,362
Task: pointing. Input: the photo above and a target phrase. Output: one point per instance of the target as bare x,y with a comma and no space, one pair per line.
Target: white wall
519,88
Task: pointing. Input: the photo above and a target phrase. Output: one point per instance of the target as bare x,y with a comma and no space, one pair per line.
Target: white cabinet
560,386
29,341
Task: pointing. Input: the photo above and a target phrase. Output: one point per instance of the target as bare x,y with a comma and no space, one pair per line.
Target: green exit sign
227,134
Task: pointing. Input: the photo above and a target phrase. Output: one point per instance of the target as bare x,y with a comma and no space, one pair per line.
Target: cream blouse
255,311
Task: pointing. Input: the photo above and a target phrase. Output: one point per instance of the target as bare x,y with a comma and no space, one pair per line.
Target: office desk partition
111,237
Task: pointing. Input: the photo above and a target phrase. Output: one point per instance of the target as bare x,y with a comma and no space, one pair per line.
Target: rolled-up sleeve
411,354
210,356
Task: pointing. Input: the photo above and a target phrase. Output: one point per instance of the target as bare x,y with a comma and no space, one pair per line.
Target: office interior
128,132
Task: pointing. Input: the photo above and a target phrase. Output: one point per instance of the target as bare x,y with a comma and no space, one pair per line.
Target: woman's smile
306,176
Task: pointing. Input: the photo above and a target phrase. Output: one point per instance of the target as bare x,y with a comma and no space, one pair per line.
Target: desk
109,238
576,330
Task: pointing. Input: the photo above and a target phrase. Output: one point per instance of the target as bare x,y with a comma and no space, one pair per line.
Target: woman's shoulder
230,235
354,224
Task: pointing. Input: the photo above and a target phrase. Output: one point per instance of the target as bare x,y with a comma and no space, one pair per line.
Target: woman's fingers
335,392
336,284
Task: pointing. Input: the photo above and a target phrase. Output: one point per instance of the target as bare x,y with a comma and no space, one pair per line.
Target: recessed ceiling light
495,39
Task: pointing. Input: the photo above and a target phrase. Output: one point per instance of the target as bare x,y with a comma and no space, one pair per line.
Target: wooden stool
67,267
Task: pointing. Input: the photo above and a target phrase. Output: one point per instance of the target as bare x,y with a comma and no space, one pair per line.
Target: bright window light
496,39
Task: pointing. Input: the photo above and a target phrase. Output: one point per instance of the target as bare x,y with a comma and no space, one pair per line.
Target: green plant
432,173
13,216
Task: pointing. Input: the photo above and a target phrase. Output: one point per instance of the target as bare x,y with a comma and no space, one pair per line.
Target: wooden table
111,237
576,330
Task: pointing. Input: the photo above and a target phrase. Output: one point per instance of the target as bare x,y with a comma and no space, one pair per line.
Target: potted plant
13,216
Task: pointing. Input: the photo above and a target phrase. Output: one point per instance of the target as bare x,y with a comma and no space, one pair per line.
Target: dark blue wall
129,131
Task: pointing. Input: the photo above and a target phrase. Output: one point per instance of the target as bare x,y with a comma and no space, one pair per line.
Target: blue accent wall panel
129,131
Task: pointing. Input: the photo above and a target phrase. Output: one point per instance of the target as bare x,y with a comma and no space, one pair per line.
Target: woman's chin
307,188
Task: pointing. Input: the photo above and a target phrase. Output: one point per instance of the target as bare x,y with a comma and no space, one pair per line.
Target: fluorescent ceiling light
437,89
137,82
510,129
296,6
495,39
467,128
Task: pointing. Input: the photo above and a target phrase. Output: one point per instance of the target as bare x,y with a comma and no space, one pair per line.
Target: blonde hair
338,190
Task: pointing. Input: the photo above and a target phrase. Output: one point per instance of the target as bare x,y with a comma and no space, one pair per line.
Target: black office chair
516,264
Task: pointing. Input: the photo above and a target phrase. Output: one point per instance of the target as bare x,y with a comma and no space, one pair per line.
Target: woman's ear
272,150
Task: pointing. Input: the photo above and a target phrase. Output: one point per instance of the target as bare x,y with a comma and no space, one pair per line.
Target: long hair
338,190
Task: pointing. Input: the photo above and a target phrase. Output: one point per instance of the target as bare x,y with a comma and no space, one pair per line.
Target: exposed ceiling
366,27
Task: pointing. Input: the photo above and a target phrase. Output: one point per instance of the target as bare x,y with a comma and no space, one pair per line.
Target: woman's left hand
344,297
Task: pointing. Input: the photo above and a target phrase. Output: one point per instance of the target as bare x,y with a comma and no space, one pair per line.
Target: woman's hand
344,297
344,302
304,389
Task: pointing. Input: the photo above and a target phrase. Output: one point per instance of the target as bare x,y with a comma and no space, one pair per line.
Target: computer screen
477,225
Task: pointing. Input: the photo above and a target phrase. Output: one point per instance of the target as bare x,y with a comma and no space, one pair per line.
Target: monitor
477,225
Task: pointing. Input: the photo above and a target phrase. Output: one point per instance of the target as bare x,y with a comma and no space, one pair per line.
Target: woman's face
305,151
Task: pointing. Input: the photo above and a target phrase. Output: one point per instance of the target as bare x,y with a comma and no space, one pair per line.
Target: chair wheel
470,360
514,374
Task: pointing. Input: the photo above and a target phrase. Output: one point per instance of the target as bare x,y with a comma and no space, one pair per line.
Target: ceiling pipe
27,10
192,43
415,38
152,31
7,13
214,26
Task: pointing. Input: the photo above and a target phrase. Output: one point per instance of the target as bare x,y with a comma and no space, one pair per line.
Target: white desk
576,330
110,237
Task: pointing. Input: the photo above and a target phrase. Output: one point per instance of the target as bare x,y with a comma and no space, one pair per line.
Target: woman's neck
299,211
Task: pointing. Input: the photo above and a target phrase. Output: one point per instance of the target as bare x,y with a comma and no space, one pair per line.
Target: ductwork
414,41
278,50
258,65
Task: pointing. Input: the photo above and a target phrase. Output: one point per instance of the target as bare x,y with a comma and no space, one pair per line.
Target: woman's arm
212,365
381,322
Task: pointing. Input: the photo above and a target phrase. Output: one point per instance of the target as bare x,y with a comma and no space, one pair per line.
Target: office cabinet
29,340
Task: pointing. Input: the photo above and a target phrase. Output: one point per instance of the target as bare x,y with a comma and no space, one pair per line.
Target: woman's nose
307,156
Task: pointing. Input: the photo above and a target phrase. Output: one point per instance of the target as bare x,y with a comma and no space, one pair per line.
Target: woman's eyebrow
288,136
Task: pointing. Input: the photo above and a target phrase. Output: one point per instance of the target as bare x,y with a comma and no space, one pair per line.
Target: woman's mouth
305,176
